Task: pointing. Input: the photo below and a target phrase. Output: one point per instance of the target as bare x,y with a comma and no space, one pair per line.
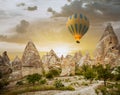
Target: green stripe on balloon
76,27
70,30
75,16
83,29
80,28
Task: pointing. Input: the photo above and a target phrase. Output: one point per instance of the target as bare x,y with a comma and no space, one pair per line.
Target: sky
44,22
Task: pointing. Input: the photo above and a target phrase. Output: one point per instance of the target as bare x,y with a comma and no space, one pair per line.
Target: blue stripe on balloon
75,16
70,17
81,16
76,27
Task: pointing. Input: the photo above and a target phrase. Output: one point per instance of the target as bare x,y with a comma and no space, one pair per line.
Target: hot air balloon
77,24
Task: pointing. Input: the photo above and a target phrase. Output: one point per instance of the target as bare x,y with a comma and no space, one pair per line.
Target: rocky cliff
107,49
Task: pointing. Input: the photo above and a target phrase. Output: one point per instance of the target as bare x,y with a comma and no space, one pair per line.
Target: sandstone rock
31,56
107,49
85,60
5,58
50,60
77,56
5,69
31,60
68,66
16,68
16,64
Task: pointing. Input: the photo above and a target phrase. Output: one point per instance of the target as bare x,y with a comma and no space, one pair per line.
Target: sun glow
61,51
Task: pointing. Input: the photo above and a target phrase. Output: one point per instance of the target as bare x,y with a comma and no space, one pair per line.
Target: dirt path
88,90
84,90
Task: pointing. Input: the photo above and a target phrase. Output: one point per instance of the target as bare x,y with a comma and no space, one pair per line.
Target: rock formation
5,69
107,49
68,66
50,60
16,64
5,59
85,60
77,56
31,60
16,68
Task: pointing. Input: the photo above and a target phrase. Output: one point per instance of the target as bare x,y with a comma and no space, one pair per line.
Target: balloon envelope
77,24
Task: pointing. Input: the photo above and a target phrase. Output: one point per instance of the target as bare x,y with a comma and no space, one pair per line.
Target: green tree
90,74
85,67
34,78
117,75
55,72
104,72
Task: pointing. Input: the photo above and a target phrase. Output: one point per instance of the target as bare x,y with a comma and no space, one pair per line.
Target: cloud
21,4
69,0
94,9
51,10
22,27
42,30
3,37
32,8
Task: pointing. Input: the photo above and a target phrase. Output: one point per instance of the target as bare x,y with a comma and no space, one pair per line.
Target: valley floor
80,88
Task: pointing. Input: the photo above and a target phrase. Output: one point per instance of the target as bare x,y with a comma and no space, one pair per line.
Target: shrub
84,83
43,81
49,75
3,83
67,80
90,74
78,71
34,78
67,88
55,72
58,84
19,83
117,76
